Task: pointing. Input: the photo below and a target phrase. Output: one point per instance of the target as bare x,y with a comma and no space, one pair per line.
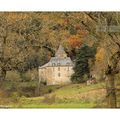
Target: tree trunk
111,92
2,70
2,74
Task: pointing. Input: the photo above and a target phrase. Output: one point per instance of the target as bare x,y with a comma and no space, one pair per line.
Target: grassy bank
69,96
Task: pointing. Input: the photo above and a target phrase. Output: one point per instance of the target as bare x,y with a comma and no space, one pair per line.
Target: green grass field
68,96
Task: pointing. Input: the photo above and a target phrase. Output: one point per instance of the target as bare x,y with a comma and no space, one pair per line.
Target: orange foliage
83,33
78,26
66,21
74,41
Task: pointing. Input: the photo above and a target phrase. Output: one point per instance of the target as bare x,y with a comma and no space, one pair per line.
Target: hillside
29,40
68,96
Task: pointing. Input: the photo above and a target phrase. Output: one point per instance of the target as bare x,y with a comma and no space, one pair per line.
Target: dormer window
58,68
58,64
53,64
68,63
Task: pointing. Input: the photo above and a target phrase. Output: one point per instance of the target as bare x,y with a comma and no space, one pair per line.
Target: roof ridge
61,52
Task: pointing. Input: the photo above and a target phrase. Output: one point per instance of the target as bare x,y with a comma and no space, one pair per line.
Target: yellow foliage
14,16
100,54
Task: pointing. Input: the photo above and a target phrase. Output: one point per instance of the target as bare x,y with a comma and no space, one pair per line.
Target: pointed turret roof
61,52
60,59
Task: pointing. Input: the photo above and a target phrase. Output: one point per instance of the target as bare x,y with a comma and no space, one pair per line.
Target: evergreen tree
81,68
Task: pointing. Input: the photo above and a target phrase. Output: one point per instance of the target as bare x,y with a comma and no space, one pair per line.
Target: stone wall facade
58,70
56,75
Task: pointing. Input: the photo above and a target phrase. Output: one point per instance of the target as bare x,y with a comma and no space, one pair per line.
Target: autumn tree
6,45
101,25
17,42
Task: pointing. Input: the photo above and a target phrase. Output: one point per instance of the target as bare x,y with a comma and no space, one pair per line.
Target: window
58,68
53,64
68,63
68,68
58,74
58,64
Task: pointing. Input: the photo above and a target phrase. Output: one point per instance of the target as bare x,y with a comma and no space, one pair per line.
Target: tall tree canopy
81,68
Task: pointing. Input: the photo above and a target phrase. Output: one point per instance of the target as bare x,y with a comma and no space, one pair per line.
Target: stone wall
56,75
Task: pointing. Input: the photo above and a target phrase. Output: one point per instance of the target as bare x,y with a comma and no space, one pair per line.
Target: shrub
15,97
31,75
13,76
49,99
8,86
50,90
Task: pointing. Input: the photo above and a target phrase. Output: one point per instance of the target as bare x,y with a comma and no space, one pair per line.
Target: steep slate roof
60,52
60,59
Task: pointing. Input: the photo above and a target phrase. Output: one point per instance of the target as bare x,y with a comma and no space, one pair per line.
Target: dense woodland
91,39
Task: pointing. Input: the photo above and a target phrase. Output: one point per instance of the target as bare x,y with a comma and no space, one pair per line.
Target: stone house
58,70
